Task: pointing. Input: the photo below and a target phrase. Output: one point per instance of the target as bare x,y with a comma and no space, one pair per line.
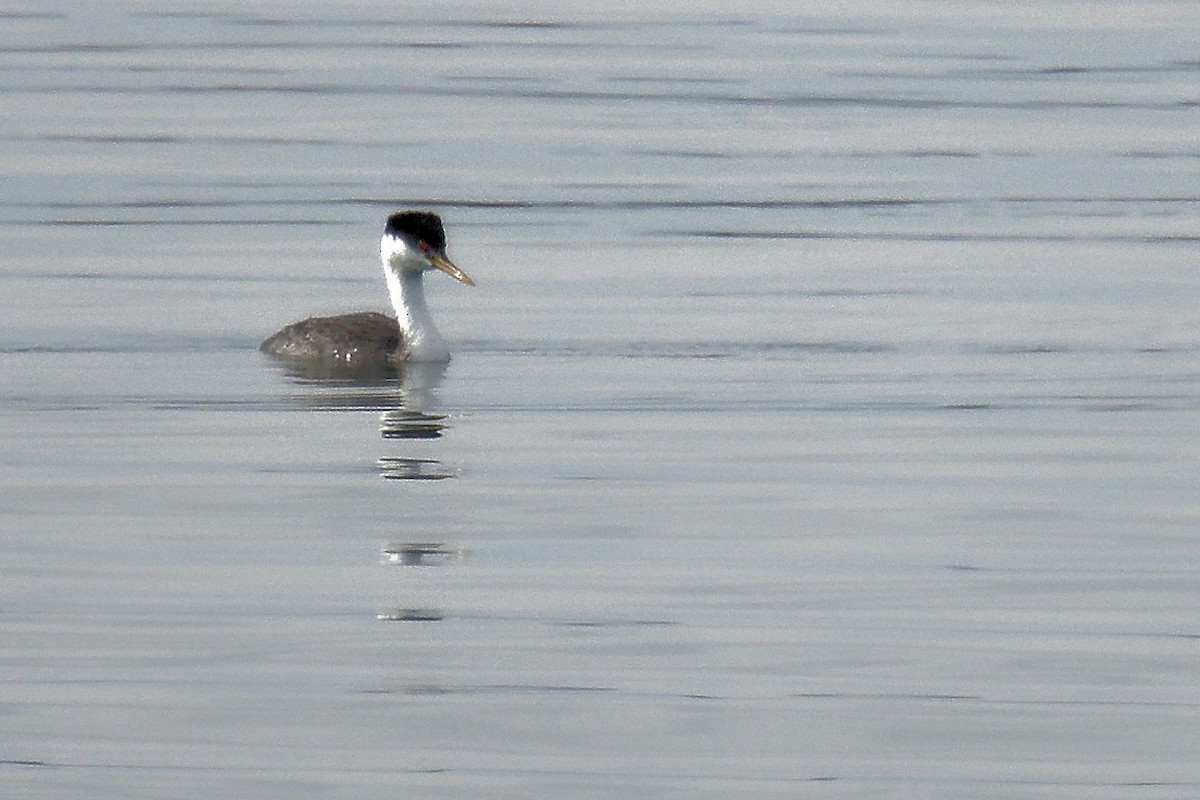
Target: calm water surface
824,423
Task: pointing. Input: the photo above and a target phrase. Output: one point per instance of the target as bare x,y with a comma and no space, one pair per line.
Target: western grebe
413,242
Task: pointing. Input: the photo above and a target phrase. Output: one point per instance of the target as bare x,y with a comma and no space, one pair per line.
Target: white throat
421,339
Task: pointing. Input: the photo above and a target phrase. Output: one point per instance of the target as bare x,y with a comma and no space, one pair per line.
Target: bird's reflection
325,386
404,390
363,373
408,397
400,423
416,417
407,394
413,469
422,554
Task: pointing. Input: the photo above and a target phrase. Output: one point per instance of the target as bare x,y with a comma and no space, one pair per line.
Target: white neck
422,342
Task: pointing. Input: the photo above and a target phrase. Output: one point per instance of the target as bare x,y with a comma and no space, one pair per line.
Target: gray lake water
826,421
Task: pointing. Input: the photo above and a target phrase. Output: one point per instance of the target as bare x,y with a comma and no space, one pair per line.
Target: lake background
825,423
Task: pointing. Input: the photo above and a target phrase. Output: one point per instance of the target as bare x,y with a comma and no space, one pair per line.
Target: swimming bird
413,243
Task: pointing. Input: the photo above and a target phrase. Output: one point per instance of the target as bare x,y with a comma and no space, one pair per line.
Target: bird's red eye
423,245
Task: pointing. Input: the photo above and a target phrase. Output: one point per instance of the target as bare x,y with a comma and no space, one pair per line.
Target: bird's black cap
418,226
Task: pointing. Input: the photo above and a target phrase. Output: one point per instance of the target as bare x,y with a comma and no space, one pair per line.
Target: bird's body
413,242
344,339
